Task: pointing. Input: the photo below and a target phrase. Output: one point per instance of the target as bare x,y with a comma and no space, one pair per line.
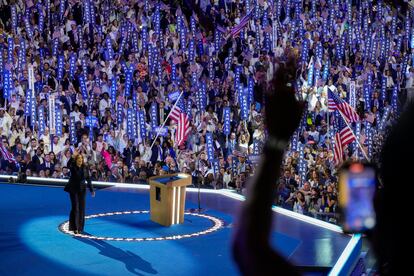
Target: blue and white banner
173,72
161,131
91,121
72,65
109,48
55,47
173,96
33,110
141,121
52,114
129,122
10,49
188,108
226,123
257,147
61,9
217,39
144,38
59,130
1,60
28,27
82,84
191,51
61,63
7,84
325,73
234,165
367,97
383,122
244,104
84,66
294,142
201,100
352,94
128,81
41,120
154,115
211,70
216,167
22,56
394,99
310,75
210,147
41,19
73,138
14,18
303,165
28,103
119,114
113,89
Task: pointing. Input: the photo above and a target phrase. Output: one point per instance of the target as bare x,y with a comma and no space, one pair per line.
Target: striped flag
7,155
183,126
343,137
336,103
243,22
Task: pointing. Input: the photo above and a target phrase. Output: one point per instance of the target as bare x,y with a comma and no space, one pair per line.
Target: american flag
7,155
183,127
336,103
343,137
243,22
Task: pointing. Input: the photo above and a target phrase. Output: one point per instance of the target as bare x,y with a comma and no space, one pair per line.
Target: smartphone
357,185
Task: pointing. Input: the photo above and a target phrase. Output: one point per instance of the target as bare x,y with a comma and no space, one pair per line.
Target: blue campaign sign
254,158
161,131
173,96
91,121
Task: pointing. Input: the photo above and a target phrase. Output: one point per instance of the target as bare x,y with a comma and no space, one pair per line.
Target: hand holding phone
357,184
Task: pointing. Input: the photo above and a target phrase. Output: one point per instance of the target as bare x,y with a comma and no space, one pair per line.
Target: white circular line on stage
217,224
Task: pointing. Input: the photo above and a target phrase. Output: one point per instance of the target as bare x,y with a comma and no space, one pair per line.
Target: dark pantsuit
77,213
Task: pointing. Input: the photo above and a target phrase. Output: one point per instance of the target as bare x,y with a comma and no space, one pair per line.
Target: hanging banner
352,94
119,114
41,120
141,121
52,114
28,103
226,124
210,147
154,115
61,61
59,129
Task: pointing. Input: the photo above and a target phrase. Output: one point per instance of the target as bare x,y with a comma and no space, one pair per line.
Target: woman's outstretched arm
251,246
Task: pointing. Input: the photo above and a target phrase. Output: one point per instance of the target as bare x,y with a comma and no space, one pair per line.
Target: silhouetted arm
251,246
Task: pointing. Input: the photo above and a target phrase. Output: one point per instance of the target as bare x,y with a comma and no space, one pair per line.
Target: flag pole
356,138
163,124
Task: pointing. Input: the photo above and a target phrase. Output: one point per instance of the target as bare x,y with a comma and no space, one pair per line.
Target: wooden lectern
167,198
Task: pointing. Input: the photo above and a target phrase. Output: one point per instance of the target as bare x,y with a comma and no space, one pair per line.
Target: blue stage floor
31,244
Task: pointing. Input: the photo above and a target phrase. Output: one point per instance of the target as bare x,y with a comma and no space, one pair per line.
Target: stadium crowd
101,59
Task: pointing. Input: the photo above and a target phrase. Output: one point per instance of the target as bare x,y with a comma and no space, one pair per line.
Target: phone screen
357,186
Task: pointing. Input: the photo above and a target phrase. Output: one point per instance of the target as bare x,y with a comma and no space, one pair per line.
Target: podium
167,198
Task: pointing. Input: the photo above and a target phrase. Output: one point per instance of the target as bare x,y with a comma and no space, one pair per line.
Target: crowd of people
101,60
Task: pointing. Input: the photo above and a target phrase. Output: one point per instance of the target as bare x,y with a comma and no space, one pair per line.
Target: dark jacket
79,178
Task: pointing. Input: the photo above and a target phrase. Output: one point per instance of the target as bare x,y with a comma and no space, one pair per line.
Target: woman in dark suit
76,187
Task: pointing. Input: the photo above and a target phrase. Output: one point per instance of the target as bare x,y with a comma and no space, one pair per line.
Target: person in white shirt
104,103
409,85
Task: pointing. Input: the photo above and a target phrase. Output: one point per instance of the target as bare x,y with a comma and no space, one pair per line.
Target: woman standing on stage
76,187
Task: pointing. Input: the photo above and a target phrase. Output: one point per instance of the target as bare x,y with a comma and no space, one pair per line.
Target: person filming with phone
376,210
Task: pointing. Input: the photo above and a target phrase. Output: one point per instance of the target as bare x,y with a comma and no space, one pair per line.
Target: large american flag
243,22
343,137
336,103
7,155
183,124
